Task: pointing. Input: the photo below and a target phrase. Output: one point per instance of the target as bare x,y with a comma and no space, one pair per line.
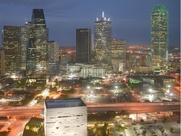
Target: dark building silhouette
83,45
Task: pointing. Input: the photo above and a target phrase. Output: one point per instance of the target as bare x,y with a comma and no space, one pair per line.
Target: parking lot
156,129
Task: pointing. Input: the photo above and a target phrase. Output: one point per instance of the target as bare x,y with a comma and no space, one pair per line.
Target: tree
123,112
141,120
171,129
164,119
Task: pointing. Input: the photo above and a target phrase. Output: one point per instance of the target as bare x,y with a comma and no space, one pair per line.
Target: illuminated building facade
53,58
138,58
103,34
39,41
117,53
31,51
65,117
138,62
159,37
1,62
11,46
24,40
83,45
92,71
53,52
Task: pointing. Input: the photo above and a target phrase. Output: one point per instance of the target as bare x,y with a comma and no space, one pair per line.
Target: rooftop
63,103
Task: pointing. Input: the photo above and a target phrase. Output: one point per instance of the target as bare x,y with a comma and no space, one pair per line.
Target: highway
98,107
136,108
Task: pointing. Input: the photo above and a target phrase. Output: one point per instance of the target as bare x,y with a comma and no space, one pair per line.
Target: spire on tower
102,14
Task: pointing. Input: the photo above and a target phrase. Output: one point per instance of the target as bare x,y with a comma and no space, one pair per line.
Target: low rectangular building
65,117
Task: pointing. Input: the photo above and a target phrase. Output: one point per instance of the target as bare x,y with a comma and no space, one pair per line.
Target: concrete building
53,52
117,53
53,58
65,117
92,71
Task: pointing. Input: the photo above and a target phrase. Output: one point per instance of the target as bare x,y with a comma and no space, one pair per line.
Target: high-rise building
159,37
11,46
1,62
24,41
83,45
31,51
65,117
117,53
40,39
102,37
53,58
53,52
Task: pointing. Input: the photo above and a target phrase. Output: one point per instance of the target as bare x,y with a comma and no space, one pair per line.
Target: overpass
131,107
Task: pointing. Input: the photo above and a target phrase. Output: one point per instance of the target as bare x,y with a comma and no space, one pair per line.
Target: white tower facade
65,117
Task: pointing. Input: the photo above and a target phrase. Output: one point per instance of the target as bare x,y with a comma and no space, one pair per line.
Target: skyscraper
24,40
1,62
159,37
103,34
65,117
40,39
11,46
53,58
31,51
53,51
83,45
117,53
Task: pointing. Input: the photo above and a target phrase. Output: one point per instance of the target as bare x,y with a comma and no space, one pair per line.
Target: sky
131,19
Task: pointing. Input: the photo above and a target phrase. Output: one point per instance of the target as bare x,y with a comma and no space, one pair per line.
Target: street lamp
150,89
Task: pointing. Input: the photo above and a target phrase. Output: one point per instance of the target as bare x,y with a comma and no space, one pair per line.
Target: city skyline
131,24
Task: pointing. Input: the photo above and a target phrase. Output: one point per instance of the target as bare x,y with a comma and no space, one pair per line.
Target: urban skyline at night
63,18
90,68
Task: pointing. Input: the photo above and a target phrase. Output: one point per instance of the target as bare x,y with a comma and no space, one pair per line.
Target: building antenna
115,37
102,14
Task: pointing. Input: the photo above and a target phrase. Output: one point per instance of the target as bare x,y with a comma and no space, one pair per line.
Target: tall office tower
65,117
24,40
53,51
117,53
53,58
11,46
103,32
83,45
31,51
159,37
1,62
40,39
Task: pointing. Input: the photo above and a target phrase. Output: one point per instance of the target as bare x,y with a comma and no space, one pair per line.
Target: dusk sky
131,19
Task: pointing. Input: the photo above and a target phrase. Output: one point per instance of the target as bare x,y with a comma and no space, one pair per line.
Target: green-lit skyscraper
159,37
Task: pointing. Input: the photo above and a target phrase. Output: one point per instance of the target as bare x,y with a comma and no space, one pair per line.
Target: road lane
98,107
